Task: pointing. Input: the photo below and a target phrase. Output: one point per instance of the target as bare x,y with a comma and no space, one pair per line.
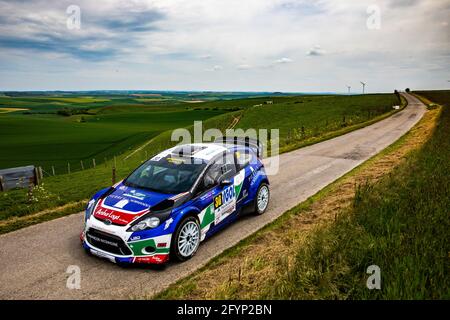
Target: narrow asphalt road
34,260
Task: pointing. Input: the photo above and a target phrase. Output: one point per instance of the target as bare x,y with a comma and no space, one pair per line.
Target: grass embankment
310,119
392,211
301,120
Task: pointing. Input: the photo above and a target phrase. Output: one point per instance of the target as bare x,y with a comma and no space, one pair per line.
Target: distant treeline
67,112
215,108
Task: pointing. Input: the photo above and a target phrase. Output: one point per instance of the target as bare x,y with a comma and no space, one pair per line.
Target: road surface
34,260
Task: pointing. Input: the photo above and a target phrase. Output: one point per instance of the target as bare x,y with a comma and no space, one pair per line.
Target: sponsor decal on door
224,204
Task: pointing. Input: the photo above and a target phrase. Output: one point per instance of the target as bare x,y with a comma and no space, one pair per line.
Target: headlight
151,222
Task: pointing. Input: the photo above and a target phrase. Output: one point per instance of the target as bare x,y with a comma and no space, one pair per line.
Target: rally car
175,200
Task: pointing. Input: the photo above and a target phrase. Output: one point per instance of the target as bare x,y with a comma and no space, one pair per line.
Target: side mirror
208,182
225,182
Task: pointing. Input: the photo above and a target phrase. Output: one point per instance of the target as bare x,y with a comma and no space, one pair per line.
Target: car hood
125,204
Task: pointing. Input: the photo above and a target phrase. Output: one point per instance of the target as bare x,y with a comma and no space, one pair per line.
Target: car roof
205,152
200,151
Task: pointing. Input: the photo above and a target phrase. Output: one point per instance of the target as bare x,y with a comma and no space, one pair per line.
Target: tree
397,94
407,90
64,112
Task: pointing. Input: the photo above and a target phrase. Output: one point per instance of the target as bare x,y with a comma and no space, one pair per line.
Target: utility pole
349,88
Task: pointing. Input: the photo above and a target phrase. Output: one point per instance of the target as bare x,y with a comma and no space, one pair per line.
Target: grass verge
383,212
15,223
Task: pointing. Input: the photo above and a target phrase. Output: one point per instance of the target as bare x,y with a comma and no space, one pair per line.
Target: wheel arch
187,212
254,186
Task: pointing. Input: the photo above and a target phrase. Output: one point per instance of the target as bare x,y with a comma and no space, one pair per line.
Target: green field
51,140
52,131
303,118
100,128
113,127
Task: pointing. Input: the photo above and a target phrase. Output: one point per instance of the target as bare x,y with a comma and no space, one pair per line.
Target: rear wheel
186,239
262,199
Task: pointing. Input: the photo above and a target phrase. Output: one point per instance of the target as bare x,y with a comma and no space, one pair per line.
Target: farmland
65,131
56,131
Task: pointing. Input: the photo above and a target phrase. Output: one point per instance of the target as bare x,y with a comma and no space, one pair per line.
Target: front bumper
154,259
135,250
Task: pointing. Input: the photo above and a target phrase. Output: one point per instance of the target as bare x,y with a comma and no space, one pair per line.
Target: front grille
107,242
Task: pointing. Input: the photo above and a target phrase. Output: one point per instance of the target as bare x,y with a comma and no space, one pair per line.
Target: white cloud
168,44
315,51
283,60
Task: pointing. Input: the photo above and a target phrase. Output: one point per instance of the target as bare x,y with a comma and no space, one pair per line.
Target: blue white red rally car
175,200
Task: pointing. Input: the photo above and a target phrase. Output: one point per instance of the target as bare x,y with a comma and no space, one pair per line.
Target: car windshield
167,175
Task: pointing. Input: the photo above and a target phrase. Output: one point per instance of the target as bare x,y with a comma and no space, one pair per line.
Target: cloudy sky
225,45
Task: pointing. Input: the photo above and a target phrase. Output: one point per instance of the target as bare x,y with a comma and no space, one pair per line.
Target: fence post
36,176
93,162
2,186
82,166
41,174
68,167
53,170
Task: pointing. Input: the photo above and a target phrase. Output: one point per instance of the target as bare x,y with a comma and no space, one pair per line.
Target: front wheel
262,199
186,239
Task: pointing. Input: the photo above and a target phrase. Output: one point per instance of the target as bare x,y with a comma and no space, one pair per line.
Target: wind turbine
349,88
363,85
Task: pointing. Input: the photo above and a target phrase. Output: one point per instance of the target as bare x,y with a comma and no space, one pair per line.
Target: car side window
222,168
210,178
228,168
212,175
243,159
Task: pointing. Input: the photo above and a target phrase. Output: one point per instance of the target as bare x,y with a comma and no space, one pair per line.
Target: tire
188,230
263,192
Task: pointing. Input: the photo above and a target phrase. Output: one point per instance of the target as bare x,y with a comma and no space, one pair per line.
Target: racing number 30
218,201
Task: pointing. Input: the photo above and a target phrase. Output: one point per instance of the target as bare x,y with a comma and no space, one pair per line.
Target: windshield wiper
130,184
134,185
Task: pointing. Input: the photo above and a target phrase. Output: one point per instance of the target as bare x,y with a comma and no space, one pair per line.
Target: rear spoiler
254,144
